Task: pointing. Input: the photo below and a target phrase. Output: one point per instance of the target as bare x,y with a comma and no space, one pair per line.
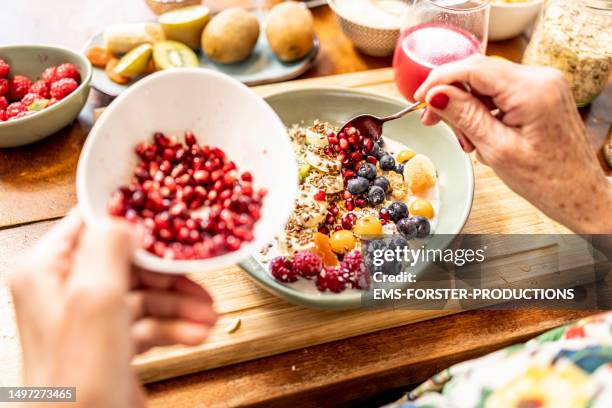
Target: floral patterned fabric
570,366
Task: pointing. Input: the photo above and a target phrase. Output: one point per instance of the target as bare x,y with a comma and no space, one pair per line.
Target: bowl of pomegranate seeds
199,161
42,89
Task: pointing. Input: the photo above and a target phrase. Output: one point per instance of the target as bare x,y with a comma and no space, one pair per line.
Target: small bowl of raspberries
42,90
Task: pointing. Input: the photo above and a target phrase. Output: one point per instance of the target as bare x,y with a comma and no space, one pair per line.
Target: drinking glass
436,32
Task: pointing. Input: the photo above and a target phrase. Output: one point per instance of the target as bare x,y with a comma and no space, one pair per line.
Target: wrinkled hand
83,312
537,144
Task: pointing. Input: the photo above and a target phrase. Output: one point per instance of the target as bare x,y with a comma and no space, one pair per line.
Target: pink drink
426,46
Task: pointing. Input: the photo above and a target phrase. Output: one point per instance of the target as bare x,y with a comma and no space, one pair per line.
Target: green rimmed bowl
31,60
336,105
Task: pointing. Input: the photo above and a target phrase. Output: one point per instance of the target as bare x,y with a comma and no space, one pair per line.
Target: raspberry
22,114
307,264
3,103
4,86
333,278
68,70
52,101
19,86
2,115
4,68
63,87
353,264
29,98
13,109
41,88
282,270
49,75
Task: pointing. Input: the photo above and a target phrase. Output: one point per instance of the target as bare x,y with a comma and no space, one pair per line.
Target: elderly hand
538,147
83,312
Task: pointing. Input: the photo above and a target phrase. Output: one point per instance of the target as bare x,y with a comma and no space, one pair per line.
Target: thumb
103,259
464,112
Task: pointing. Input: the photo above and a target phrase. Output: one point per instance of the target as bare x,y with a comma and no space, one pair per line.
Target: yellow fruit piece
134,62
342,241
368,225
173,54
322,247
114,76
421,207
185,24
419,173
405,155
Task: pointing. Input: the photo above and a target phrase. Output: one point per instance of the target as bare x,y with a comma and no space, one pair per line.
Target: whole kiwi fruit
289,30
230,36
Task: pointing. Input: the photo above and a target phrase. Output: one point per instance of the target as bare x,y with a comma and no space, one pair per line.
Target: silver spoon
371,126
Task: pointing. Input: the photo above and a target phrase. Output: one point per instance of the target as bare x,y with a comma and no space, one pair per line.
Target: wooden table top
342,372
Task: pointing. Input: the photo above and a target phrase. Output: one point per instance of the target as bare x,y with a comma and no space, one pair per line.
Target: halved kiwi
174,54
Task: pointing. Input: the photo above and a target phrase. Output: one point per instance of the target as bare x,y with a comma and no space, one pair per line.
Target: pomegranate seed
356,157
344,144
232,243
341,156
332,140
348,174
229,166
368,144
324,230
229,179
178,209
349,204
190,138
168,154
246,176
347,222
160,139
372,160
383,214
216,175
360,202
351,131
330,219
320,195
352,140
201,176
338,228
334,211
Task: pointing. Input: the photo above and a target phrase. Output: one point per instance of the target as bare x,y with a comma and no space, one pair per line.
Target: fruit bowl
455,176
31,60
222,112
508,20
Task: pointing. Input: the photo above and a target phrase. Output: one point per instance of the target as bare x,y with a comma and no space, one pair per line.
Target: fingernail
439,101
461,144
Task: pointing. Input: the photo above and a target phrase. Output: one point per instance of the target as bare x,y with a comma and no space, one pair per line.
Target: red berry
68,70
4,86
49,75
63,87
307,264
2,115
29,98
333,278
3,103
282,270
246,176
4,68
14,109
41,88
320,195
353,264
18,87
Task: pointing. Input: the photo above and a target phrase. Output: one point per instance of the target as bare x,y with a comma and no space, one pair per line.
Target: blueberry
422,225
358,185
387,162
381,182
376,195
407,227
367,170
398,210
400,168
377,151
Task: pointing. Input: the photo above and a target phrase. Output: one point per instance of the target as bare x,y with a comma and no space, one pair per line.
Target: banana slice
317,158
309,212
121,38
316,139
419,173
295,237
331,183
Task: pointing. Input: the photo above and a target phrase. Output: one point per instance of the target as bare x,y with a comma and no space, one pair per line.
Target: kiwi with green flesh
230,36
290,31
173,54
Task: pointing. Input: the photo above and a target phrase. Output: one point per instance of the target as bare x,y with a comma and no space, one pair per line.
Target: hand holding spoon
371,126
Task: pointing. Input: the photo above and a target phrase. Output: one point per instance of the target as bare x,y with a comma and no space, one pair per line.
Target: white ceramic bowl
374,41
511,19
221,112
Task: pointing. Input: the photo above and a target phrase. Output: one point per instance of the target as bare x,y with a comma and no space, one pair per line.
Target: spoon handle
408,109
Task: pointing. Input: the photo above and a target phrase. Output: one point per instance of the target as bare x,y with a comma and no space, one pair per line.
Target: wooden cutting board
268,325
